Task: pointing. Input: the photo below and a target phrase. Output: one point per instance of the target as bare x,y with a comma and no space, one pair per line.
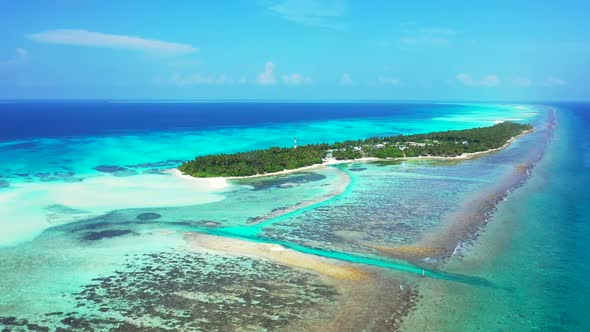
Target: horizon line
180,100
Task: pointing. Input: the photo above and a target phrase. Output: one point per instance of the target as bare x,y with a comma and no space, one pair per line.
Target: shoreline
340,187
276,253
468,227
461,227
366,295
429,246
218,181
211,183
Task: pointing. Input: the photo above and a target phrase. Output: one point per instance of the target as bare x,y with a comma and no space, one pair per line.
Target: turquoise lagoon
93,224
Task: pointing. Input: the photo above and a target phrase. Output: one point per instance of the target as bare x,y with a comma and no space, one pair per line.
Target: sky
295,50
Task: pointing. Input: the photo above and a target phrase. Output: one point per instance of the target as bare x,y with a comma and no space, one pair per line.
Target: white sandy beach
33,207
221,182
210,183
275,253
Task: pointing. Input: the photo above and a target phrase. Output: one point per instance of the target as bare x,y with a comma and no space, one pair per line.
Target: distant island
445,144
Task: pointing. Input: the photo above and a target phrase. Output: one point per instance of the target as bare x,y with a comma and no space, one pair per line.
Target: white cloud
408,40
98,39
552,81
183,80
467,79
20,55
382,43
296,79
417,36
311,13
346,79
267,77
185,63
521,82
388,80
200,79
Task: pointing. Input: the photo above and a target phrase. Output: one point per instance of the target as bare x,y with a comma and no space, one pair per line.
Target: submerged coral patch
87,226
155,171
288,181
207,223
128,172
182,291
99,235
160,164
109,168
148,216
19,146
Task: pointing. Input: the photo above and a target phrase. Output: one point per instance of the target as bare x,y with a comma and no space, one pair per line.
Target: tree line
441,144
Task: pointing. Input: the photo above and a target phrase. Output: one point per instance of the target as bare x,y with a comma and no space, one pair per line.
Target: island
445,144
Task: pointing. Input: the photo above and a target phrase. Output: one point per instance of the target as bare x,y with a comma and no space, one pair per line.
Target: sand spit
208,183
371,299
339,186
275,253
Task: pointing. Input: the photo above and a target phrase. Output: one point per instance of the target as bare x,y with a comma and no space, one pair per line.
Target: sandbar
275,253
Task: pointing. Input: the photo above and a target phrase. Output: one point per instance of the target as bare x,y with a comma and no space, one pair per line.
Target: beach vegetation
450,143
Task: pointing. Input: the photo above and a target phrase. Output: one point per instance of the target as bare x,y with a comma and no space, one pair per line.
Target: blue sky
295,49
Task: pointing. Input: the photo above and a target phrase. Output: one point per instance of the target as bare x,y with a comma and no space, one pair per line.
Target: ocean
89,212
537,244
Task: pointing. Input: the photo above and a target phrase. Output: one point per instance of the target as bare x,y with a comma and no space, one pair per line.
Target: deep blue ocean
42,140
54,119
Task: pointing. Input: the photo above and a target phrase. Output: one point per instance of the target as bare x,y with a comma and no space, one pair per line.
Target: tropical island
452,143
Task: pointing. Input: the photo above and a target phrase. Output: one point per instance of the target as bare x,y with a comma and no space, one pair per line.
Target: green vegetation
441,144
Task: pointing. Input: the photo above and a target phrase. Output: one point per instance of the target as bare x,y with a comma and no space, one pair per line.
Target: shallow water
394,204
535,246
114,165
81,207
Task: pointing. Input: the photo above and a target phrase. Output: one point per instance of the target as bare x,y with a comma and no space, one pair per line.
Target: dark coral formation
109,168
148,216
179,291
115,170
94,236
283,181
